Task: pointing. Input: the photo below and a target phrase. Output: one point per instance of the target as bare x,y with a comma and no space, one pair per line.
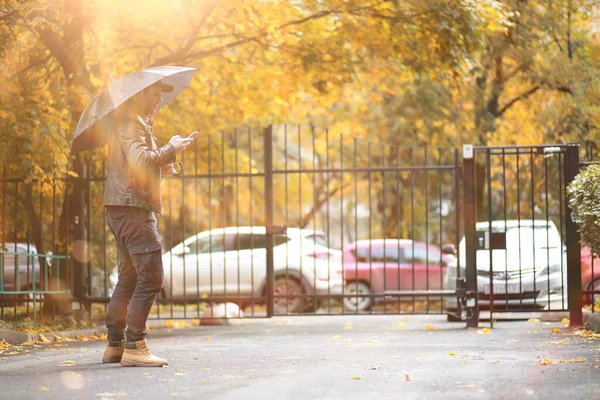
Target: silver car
530,274
26,267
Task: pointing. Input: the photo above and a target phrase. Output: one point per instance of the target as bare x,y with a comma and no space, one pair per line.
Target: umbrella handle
180,165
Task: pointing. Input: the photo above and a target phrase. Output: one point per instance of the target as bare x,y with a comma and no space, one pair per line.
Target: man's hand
180,143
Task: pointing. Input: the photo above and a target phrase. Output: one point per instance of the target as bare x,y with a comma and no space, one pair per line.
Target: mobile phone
192,135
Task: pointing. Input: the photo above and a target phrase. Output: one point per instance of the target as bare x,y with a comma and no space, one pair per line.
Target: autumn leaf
356,377
545,362
400,324
44,389
430,328
336,337
57,338
407,377
555,330
534,320
179,374
43,339
451,353
484,331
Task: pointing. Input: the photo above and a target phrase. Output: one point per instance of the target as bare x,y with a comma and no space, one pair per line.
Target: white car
531,274
231,262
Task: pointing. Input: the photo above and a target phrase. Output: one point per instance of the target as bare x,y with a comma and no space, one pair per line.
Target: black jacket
134,165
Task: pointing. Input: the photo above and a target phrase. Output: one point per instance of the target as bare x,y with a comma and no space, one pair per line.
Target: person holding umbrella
132,198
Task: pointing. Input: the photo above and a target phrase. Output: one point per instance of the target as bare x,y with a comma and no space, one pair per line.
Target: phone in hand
192,135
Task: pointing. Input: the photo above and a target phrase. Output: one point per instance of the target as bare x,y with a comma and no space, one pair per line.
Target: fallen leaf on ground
400,324
335,337
545,362
555,330
534,320
565,321
580,360
407,377
44,389
429,328
57,338
179,374
451,353
44,339
484,331
4,344
196,322
494,362
207,338
356,377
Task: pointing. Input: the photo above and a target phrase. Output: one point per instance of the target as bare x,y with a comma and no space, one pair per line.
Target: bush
584,199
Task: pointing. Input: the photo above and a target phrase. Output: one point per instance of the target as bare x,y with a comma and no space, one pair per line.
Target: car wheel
358,303
291,291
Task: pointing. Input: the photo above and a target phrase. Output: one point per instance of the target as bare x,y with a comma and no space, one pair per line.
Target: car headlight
549,270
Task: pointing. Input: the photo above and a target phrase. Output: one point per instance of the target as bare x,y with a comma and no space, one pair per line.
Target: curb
593,320
17,338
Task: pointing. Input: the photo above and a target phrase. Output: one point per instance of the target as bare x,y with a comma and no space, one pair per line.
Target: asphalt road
364,357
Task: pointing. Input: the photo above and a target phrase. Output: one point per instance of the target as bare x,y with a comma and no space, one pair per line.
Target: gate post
574,289
268,160
470,216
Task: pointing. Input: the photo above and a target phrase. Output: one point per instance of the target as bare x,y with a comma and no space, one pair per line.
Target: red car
590,275
374,266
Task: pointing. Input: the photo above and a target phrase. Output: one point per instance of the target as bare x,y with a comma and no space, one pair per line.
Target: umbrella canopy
93,128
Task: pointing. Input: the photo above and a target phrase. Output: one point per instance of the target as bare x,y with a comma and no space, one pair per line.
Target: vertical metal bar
547,229
300,208
78,229
426,163
505,218
197,228
17,273
184,236
470,218
28,260
398,228
519,229
327,218
573,243
356,227
2,258
314,215
237,217
224,212
104,242
251,214
532,169
170,188
412,224
287,253
342,219
370,220
210,221
441,227
489,219
457,210
269,200
562,194
385,251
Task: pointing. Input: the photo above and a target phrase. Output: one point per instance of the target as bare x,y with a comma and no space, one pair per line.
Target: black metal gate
520,244
295,220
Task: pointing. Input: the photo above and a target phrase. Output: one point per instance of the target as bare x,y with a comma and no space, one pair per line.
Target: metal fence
296,220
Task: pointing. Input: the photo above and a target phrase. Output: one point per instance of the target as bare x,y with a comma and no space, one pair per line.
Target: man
132,200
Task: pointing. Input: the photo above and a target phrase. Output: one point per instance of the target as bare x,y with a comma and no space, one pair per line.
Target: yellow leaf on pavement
484,331
57,338
44,389
429,328
400,324
545,362
356,377
336,337
566,321
579,360
534,320
555,330
179,374
451,353
44,339
207,338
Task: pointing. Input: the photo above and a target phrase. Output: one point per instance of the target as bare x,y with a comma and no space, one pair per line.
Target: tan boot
141,356
112,353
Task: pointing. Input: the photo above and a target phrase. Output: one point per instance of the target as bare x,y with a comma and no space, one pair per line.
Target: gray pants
140,271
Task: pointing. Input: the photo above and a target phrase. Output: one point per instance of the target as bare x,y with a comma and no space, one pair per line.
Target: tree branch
520,97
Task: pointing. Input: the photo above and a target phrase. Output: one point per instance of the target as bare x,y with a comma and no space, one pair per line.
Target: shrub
584,199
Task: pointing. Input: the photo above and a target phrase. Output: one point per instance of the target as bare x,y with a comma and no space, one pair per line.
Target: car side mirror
449,249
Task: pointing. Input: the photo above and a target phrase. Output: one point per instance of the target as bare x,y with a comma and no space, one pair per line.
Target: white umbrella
93,128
